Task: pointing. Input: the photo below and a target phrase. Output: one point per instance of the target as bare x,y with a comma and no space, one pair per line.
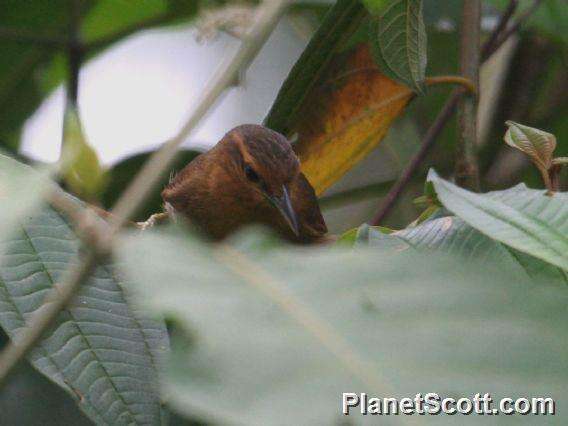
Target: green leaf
265,327
451,235
375,6
101,350
535,143
21,190
524,219
107,17
82,170
338,25
398,39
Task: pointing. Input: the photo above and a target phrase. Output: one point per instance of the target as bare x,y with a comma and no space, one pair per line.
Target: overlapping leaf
398,37
265,327
102,350
335,101
527,220
537,144
21,183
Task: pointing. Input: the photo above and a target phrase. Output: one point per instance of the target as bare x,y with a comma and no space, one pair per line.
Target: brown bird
251,176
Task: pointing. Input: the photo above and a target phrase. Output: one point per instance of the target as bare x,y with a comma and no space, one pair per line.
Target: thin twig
491,42
74,52
509,31
268,14
441,120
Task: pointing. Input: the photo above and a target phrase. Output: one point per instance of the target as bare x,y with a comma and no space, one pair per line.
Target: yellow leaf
346,117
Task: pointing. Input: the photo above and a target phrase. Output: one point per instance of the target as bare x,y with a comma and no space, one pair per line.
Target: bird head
263,166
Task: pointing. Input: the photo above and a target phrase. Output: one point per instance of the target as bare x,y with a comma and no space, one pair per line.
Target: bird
251,176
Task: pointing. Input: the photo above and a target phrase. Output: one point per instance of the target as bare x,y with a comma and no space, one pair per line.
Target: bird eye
251,174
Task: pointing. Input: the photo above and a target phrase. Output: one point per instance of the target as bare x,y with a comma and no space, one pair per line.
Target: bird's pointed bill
284,206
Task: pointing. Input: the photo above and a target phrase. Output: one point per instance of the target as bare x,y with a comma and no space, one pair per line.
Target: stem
74,52
491,43
466,167
268,14
453,79
441,120
508,32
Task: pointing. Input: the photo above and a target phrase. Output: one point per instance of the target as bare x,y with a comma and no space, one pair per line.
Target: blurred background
153,57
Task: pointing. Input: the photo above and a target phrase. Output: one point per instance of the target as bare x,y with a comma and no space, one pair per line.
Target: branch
466,166
491,43
508,32
441,120
268,14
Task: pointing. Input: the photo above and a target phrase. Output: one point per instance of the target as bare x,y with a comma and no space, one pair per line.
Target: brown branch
439,123
466,169
489,46
508,32
268,14
452,79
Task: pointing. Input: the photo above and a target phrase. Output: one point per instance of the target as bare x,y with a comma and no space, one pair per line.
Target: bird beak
284,206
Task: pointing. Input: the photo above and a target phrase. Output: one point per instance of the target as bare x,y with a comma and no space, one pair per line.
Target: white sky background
138,93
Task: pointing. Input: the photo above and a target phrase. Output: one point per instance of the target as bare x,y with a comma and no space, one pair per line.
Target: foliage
102,351
471,296
336,100
30,70
398,38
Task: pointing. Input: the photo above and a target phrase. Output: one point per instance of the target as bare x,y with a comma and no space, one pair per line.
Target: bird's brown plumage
232,185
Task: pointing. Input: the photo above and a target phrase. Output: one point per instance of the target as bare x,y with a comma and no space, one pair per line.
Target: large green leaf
398,38
101,350
21,189
276,337
451,235
524,219
338,25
